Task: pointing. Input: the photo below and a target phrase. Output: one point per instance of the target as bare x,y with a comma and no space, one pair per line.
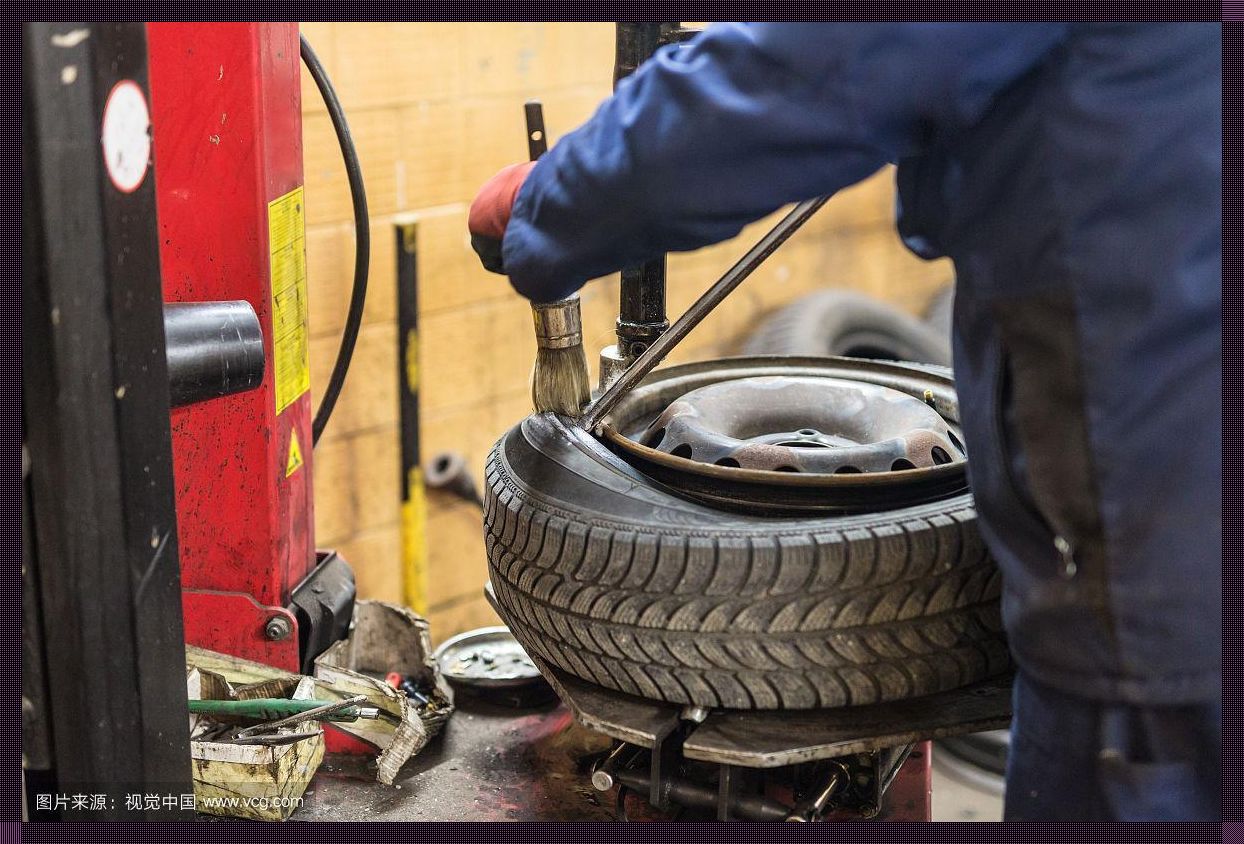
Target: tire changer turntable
870,761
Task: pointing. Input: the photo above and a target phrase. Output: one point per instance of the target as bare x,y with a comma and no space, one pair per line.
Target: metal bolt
602,774
278,627
602,780
694,714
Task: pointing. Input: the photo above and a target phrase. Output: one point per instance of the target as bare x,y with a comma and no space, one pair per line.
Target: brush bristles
559,382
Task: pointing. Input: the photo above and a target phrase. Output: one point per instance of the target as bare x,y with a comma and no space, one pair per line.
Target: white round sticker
126,136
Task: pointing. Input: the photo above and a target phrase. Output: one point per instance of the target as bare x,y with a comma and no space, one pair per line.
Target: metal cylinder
602,773
693,795
820,801
612,365
448,471
634,43
213,349
641,302
559,324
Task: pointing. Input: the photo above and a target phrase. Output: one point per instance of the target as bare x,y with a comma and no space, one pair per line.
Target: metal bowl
490,664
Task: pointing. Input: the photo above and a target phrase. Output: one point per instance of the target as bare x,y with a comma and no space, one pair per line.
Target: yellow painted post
414,503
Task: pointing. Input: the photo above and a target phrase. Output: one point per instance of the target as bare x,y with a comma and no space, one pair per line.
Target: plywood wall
435,110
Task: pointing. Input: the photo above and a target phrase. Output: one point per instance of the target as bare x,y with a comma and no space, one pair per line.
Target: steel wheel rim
784,492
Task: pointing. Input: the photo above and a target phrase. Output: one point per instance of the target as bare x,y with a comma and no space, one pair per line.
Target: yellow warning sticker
294,462
288,262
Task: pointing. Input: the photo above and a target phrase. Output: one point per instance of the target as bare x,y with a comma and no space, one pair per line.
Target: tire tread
797,618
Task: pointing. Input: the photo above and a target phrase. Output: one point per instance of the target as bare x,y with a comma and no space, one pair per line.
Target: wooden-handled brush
559,381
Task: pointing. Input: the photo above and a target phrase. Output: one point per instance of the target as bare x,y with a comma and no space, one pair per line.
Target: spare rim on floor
790,436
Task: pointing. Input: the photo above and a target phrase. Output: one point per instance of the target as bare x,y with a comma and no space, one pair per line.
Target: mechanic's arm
711,136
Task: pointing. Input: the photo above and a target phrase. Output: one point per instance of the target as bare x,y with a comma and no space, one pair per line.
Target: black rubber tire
601,573
940,312
985,751
842,322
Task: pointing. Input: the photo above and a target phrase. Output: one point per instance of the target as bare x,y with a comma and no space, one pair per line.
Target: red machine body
227,126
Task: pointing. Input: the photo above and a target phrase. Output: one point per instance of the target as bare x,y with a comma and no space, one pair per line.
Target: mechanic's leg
1052,761
1073,758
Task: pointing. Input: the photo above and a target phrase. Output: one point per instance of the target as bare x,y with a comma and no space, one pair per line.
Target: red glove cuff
490,212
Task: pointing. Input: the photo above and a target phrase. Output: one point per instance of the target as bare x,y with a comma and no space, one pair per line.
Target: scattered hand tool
408,687
274,740
348,709
559,382
268,709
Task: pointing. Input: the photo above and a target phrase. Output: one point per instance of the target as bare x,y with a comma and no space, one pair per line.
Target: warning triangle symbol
294,461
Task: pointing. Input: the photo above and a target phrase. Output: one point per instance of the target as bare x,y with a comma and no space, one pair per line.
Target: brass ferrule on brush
558,324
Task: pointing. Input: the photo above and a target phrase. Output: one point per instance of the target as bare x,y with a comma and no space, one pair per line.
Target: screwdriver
260,710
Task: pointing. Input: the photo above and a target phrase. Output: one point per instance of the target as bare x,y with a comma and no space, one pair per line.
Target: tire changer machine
167,418
164,210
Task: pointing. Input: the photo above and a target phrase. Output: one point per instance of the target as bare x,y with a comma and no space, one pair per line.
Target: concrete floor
489,764
961,796
493,763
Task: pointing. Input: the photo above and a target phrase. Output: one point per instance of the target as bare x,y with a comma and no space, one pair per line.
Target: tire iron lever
598,411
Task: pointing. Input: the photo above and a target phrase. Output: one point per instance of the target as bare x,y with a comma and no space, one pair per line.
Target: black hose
362,240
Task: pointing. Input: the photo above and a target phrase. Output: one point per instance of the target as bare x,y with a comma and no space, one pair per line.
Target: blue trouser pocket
1153,791
1072,758
1152,763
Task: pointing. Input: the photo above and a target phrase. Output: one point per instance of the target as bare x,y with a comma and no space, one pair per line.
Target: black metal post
414,516
641,307
36,731
95,398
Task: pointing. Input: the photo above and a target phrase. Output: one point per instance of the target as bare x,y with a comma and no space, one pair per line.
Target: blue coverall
1073,174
